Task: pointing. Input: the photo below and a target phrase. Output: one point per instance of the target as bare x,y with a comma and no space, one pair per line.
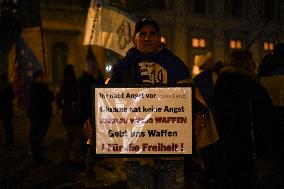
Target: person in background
265,68
242,109
6,109
277,64
68,101
39,112
205,80
218,66
272,78
206,77
90,77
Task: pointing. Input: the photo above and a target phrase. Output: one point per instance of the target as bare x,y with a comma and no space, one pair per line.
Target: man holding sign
148,63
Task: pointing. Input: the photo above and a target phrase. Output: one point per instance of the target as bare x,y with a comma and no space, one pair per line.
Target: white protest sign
143,120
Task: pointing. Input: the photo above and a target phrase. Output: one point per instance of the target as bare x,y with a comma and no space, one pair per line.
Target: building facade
189,28
194,27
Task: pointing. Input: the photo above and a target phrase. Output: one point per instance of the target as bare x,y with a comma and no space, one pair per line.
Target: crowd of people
73,100
229,99
232,109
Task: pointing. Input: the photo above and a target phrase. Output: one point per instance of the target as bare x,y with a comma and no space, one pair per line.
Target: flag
108,28
28,13
26,63
19,18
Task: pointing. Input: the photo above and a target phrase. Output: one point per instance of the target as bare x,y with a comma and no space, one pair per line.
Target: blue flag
26,63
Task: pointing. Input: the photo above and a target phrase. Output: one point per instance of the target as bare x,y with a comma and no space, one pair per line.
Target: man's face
147,40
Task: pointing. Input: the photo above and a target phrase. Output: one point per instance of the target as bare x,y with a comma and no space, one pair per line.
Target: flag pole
42,40
258,34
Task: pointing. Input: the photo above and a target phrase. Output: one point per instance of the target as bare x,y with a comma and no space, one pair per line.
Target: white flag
108,28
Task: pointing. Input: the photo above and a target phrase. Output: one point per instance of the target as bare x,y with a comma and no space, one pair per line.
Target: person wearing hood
242,109
68,101
39,112
90,76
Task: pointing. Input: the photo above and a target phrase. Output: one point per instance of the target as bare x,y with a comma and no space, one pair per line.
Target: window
59,60
198,42
235,44
268,46
200,6
163,39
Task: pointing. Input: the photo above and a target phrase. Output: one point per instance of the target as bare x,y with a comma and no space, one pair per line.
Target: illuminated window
239,44
268,46
235,44
198,43
202,43
163,39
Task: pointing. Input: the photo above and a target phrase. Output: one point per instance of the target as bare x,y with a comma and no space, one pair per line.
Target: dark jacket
126,70
85,83
68,100
240,105
40,101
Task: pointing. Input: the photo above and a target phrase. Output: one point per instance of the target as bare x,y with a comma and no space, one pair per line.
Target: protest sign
143,120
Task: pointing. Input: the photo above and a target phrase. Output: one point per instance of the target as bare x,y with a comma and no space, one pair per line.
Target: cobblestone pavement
18,171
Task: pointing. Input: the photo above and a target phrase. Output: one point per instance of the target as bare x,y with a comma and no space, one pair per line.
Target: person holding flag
33,96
